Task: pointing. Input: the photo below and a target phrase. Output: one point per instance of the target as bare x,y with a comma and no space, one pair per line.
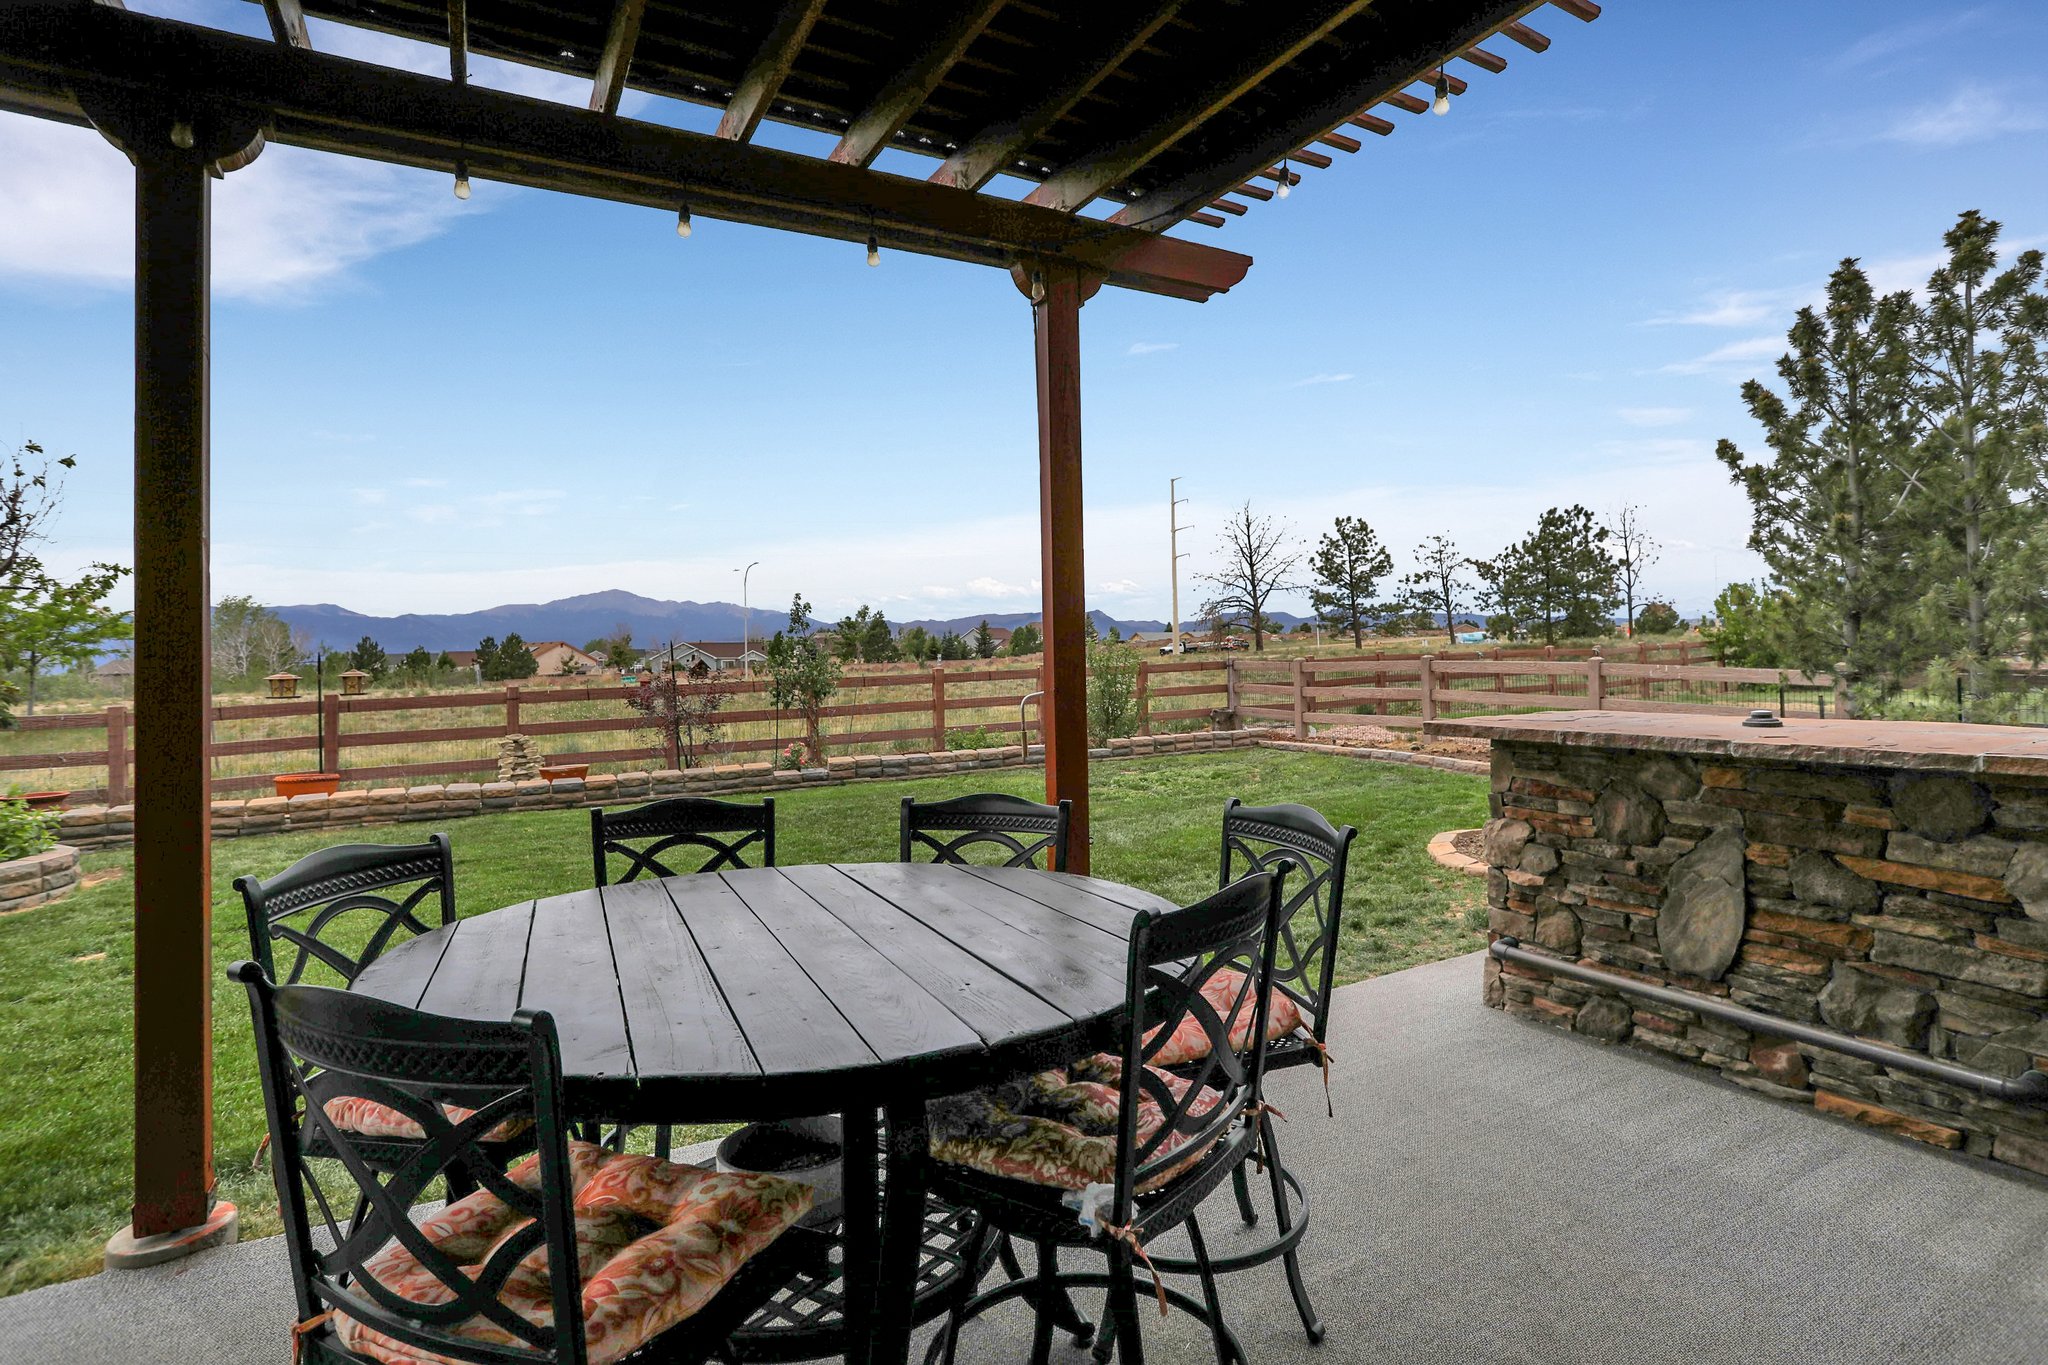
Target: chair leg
1041,1304
1243,1189
663,1140
1218,1337
1310,1322
1123,1307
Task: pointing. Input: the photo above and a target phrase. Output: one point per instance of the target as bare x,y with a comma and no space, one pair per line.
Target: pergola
1166,111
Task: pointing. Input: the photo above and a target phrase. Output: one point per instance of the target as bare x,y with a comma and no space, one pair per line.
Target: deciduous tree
1259,560
1024,640
1349,563
802,674
61,624
1634,550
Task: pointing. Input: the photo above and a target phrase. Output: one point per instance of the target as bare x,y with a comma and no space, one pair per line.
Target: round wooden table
858,989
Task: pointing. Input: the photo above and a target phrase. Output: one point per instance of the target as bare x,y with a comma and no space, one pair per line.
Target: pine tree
1976,379
1826,509
984,641
368,656
514,661
1559,576
1438,586
1349,563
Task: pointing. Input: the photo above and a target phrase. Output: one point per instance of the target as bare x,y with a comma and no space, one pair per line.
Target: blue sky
1548,296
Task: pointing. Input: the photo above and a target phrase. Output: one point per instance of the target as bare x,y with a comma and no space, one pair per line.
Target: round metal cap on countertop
1762,719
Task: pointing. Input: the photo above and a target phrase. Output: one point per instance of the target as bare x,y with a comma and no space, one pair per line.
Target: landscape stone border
1478,766
38,879
1445,852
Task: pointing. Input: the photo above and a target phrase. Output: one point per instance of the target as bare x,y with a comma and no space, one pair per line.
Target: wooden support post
330,734
1428,688
174,1176
1596,683
1230,690
1301,699
1144,699
938,708
1056,291
117,755
512,709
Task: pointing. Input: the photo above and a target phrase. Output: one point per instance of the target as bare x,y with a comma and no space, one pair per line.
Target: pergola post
174,1211
1057,292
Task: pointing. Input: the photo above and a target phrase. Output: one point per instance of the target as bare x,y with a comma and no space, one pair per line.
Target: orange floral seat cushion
1058,1128
1227,988
367,1118
655,1241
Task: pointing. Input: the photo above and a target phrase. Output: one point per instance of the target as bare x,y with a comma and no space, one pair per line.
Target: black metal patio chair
1256,839
644,834
678,1256
339,909
1024,833
1115,1152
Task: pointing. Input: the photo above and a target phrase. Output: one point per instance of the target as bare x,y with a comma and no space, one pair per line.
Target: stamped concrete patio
1492,1190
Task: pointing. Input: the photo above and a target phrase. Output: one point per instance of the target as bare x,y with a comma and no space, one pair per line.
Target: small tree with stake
1258,561
802,674
1349,564
678,713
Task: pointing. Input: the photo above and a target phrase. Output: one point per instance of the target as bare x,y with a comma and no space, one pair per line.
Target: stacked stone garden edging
105,826
1414,760
38,879
1901,905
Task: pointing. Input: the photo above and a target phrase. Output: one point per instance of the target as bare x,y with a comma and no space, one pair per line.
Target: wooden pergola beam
1526,36
1277,39
1585,11
1372,123
906,91
1349,144
757,89
1402,100
458,41
610,86
287,23
1484,60
985,155
312,99
1411,42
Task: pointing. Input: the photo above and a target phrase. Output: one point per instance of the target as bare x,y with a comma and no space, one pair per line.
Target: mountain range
590,616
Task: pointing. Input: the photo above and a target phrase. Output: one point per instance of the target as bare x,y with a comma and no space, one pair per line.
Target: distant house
557,657
716,655
120,671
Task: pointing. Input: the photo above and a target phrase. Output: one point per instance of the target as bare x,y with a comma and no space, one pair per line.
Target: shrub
977,738
25,831
1112,691
1658,618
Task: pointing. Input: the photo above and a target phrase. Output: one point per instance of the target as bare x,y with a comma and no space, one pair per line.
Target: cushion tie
1252,1113
1128,1234
300,1329
1323,1056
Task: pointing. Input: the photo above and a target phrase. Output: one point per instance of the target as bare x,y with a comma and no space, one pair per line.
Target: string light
462,180
683,228
1442,103
1285,176
874,250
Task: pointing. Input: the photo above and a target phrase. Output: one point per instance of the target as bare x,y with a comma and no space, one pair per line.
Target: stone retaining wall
107,826
38,879
1906,906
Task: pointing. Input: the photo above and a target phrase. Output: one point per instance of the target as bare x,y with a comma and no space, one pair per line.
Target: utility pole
1173,547
746,621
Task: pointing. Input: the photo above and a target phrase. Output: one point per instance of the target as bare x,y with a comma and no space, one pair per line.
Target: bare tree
1258,561
1634,550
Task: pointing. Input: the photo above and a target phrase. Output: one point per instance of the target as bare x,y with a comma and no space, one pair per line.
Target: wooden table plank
676,1020
479,974
1116,893
791,1025
1018,887
889,1008
989,1002
403,977
571,973
1067,976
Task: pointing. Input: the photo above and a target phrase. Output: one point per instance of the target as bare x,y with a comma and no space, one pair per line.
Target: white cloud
995,587
288,224
1734,308
426,483
370,497
1970,115
1118,587
1749,351
1149,347
1902,40
1654,417
1322,379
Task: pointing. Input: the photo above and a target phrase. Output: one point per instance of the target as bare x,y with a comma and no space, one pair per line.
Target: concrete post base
126,1251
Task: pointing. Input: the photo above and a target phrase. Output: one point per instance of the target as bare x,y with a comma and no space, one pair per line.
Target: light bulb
1285,176
181,135
462,180
874,250
1442,103
683,221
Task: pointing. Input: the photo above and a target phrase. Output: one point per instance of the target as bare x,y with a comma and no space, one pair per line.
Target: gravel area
1471,843
1410,741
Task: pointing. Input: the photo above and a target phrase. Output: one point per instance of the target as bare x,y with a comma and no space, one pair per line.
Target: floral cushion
1190,1043
654,1242
367,1118
1058,1128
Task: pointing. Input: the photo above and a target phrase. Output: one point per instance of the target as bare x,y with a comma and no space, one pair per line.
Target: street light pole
746,621
1173,548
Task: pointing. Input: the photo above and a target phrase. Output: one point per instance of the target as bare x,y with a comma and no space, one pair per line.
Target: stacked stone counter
1888,880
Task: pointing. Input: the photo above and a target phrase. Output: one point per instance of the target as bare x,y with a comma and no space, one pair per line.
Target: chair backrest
1259,837
642,835
316,1045
1021,831
1172,957
343,905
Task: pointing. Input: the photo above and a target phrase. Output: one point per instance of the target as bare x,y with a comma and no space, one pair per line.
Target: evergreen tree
368,656
1826,509
1025,640
984,641
487,658
1559,576
417,667
507,662
1976,379
918,644
952,647
1437,586
1349,563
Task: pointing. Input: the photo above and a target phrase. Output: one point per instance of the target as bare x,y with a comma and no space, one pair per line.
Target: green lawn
66,980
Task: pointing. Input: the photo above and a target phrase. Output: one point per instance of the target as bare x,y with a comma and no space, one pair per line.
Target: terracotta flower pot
552,771
43,800
307,784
